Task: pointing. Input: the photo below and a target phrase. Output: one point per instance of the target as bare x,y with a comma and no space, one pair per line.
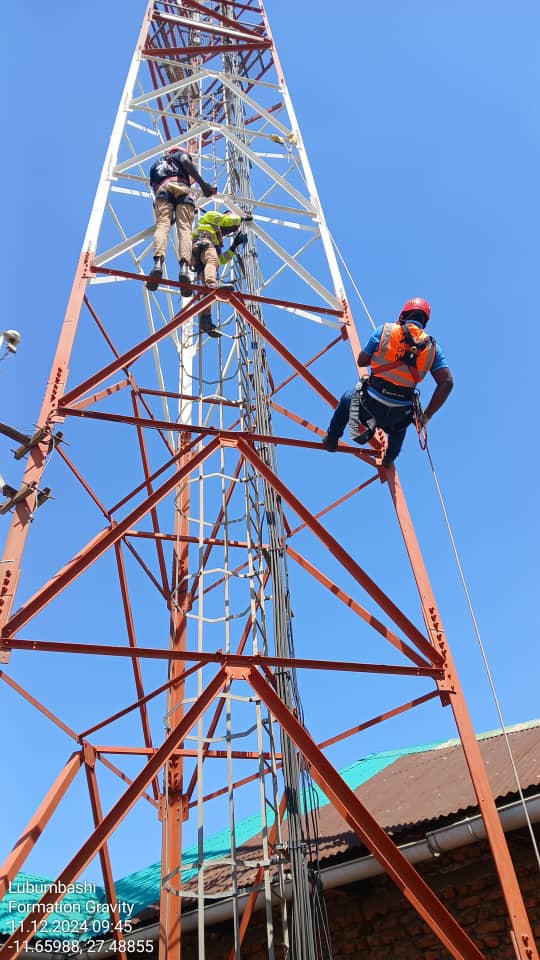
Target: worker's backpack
160,170
169,165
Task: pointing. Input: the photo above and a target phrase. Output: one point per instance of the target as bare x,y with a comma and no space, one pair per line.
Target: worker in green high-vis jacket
208,254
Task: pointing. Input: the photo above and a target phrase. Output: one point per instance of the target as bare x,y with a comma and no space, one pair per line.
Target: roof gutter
452,837
460,834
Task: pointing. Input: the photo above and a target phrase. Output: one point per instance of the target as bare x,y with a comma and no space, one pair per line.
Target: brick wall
371,920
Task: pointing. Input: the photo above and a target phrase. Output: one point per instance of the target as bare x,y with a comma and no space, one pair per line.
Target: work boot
330,443
155,274
185,279
206,325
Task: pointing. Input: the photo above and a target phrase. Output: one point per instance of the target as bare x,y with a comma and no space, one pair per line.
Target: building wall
371,920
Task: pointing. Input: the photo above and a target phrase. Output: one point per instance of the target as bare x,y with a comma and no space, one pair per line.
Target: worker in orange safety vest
400,355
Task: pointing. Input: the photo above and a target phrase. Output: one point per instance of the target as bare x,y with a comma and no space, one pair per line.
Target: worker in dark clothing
400,355
208,239
170,179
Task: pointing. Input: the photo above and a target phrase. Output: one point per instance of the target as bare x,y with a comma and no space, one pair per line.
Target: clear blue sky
423,129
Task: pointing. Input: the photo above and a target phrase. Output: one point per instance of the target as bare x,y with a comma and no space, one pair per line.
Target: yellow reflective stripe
225,257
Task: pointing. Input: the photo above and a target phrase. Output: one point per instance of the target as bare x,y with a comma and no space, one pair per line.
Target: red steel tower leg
173,808
522,933
36,825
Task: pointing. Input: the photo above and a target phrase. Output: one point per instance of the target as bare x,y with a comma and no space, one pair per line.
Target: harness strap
399,363
175,199
390,366
198,245
204,235
417,346
359,416
391,391
421,429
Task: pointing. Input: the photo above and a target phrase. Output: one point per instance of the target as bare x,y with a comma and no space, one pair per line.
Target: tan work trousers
183,213
209,258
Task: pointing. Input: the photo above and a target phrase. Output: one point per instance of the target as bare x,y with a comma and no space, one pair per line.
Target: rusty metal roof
408,790
434,784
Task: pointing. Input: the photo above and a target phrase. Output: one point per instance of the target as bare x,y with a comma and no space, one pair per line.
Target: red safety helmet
180,148
417,303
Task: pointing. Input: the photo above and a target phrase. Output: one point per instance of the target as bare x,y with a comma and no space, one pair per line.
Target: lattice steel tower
174,443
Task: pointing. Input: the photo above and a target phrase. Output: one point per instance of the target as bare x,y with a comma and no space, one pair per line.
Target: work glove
239,241
208,189
423,419
247,219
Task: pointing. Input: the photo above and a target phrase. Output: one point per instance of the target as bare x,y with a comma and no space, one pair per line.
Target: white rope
355,288
341,257
484,657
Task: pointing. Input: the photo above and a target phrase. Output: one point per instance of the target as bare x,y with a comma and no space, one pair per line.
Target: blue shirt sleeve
440,360
373,342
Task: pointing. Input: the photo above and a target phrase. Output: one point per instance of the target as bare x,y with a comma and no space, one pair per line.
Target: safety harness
360,415
418,417
409,357
175,199
197,248
170,170
216,237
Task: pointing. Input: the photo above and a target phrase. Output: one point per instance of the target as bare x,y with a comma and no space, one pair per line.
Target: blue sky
424,140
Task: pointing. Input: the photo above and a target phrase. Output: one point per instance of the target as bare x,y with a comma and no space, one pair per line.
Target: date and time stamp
80,927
